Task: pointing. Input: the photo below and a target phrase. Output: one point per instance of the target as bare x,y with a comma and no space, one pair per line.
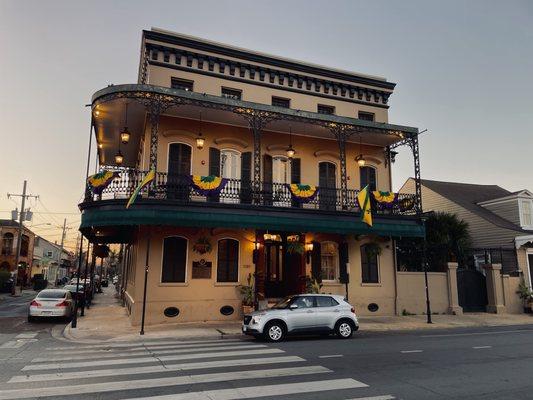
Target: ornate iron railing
179,188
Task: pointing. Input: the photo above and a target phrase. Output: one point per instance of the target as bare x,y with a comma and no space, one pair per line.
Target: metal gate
472,290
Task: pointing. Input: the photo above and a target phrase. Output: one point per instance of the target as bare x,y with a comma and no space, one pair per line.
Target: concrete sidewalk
107,320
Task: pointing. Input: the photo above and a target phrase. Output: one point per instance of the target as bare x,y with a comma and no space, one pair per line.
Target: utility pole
21,228
61,249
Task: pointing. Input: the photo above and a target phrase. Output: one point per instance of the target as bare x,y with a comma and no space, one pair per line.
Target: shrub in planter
247,293
526,295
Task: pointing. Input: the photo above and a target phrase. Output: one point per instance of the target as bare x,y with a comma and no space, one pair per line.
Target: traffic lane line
478,333
482,347
411,351
331,356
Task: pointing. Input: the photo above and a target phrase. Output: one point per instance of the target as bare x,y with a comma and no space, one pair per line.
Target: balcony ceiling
109,109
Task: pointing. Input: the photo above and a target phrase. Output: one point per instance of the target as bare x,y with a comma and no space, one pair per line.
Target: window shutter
344,276
316,262
296,176
267,179
246,178
214,169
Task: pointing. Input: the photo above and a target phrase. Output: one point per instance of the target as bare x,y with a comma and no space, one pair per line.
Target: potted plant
526,295
312,286
247,293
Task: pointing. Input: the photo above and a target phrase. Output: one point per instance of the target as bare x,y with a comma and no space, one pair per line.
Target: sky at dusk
463,71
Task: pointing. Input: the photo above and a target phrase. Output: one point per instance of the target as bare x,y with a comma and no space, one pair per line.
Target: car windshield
283,303
51,294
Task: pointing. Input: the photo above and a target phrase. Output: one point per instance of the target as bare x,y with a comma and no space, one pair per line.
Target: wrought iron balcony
236,192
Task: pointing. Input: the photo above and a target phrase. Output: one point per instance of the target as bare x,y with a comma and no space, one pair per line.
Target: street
473,363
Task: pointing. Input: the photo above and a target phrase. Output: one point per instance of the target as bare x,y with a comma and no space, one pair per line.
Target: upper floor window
323,109
24,245
527,212
182,84
281,102
232,93
329,254
366,116
228,260
369,264
368,178
174,260
7,244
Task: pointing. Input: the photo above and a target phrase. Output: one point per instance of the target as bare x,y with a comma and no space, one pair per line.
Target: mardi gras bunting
363,198
145,182
303,193
386,199
208,185
98,182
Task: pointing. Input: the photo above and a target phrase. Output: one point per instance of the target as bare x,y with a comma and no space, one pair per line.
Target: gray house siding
508,210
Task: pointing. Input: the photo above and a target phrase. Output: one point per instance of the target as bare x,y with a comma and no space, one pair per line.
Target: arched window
369,264
174,260
327,194
368,177
24,245
228,260
329,255
7,244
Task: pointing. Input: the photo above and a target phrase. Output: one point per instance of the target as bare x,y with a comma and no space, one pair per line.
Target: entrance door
179,170
274,270
327,182
230,168
280,177
472,290
530,263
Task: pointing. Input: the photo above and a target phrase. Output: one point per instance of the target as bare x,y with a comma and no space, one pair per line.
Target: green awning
292,221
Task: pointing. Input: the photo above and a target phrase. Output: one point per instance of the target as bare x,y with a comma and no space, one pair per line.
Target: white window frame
337,260
186,281
378,264
521,211
217,283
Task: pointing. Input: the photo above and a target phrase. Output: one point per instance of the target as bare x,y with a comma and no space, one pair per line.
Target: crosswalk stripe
160,382
251,392
144,353
153,369
161,347
139,343
98,363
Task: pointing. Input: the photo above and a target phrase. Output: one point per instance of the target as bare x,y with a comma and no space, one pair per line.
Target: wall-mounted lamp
255,252
308,252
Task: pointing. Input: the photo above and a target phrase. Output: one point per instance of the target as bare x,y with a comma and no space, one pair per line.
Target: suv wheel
274,332
344,329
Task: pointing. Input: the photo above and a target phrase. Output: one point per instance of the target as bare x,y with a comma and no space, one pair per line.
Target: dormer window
526,213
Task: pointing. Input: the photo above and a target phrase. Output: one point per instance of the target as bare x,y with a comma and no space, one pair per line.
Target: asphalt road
488,363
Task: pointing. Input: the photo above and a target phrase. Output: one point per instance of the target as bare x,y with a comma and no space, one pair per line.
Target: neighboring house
500,221
47,261
261,123
8,247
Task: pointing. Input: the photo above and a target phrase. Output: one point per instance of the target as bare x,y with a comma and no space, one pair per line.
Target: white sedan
51,303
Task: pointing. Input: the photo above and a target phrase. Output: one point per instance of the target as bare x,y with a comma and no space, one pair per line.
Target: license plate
46,312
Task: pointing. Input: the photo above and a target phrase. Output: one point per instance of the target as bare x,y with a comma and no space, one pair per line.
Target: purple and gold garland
208,185
99,181
302,193
385,199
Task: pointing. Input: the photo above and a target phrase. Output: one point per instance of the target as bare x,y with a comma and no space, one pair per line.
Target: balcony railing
180,189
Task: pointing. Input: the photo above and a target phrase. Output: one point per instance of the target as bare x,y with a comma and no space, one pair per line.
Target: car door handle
310,311
336,310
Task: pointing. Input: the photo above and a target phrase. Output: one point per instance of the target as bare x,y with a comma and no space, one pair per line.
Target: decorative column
494,289
453,297
342,133
413,143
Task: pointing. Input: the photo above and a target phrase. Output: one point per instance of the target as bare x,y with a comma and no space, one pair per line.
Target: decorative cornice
260,75
328,153
230,140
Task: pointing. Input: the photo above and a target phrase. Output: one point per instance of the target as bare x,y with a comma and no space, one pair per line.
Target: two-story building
258,160
50,260
8,248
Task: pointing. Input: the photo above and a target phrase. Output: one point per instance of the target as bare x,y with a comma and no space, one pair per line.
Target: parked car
51,303
303,314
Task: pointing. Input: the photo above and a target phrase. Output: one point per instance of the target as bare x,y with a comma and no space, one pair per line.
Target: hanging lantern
125,135
119,158
360,160
200,141
290,150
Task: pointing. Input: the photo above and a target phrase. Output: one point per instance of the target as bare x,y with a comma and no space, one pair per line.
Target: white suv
305,313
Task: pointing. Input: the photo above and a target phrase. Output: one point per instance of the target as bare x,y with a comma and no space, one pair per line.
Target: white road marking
251,392
161,347
482,347
26,335
143,353
331,356
154,369
481,333
411,351
159,382
99,363
140,343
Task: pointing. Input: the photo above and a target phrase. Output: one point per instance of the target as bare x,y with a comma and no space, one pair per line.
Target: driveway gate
472,290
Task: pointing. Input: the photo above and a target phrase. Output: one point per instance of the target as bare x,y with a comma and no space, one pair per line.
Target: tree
448,239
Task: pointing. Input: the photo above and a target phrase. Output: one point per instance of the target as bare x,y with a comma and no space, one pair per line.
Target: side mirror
293,306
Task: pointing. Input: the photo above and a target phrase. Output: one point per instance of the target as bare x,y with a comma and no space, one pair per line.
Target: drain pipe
395,266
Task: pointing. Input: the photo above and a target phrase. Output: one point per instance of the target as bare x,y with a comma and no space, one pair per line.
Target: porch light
119,158
200,141
125,135
255,252
308,251
360,160
290,150
100,145
267,237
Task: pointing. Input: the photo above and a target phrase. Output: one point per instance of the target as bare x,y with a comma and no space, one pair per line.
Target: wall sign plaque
201,269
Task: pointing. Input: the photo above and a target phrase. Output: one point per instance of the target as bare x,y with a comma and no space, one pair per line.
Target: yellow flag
363,198
147,179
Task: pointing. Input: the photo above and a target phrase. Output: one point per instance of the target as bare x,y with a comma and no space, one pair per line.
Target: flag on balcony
145,182
208,185
303,193
98,182
363,198
385,199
